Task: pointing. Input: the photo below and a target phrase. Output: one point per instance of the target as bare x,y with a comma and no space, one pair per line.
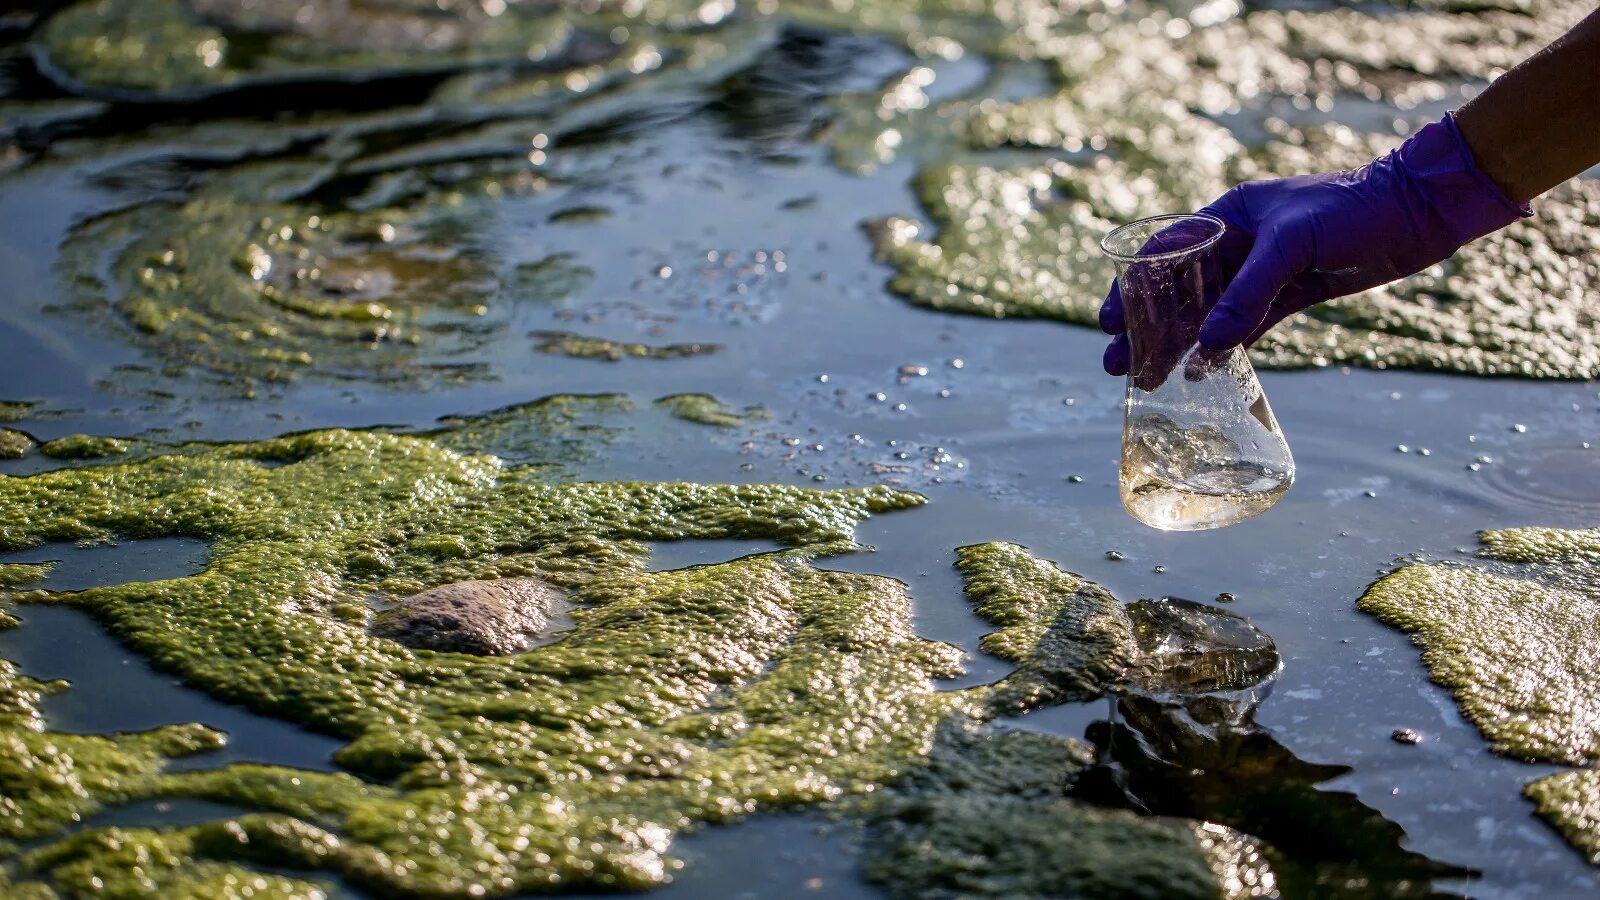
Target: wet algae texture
365,245
679,698
1514,642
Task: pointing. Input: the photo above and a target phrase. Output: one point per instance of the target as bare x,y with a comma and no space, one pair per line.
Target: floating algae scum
305,313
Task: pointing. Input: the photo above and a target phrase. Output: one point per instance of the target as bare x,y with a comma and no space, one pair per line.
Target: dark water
730,168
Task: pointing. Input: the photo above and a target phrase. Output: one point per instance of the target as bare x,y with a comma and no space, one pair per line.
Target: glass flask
1200,446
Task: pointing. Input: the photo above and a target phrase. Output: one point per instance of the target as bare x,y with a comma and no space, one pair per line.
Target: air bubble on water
1473,467
1369,493
822,379
1068,401
958,363
1472,439
1424,451
944,392
1486,459
898,407
1075,479
1520,428
1402,448
877,396
1226,597
913,371
1113,555
1159,569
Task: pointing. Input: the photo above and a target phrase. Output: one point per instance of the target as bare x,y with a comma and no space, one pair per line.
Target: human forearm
1539,124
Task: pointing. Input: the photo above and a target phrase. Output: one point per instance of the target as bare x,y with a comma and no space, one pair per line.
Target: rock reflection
1204,757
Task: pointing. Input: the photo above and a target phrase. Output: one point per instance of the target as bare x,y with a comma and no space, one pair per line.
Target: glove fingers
1119,357
1112,320
1248,297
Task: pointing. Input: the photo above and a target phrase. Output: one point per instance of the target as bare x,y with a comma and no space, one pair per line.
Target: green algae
184,47
85,446
1570,801
1514,644
576,761
679,698
15,411
14,444
581,347
704,409
18,574
1511,642
1068,637
1023,242
267,291
50,779
1131,105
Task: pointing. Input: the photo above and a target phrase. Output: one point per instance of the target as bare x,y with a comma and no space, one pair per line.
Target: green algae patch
14,444
49,779
15,410
678,698
1069,638
19,574
85,446
1010,245
254,290
175,48
578,346
1570,801
704,409
1514,643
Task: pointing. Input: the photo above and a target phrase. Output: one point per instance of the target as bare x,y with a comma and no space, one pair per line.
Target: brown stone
487,618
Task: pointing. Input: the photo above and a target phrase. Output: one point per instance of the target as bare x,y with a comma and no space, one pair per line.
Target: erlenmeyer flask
1200,446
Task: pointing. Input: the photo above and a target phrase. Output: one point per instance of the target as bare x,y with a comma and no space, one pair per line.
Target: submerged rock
1188,647
486,618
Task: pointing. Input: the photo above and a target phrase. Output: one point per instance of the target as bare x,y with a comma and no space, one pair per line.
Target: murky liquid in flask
1200,446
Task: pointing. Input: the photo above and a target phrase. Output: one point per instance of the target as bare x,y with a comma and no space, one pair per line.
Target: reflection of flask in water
1200,446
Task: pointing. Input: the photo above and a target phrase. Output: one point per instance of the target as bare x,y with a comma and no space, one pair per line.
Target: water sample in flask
1200,446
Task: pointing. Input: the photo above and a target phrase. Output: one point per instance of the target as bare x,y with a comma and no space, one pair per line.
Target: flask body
1200,446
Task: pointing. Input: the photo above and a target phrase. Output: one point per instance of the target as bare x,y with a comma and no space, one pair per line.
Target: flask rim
1107,242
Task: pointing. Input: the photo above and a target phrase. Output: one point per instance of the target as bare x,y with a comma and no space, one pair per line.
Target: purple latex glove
1295,242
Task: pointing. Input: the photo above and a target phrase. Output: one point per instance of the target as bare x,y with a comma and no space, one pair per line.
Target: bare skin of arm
1539,124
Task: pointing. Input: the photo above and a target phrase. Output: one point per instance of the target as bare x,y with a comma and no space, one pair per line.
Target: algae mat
366,247
1515,644
679,698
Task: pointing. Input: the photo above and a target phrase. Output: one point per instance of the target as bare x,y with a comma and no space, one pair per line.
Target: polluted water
1200,446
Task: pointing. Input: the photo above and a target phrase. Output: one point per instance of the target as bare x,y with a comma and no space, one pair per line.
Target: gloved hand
1295,242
